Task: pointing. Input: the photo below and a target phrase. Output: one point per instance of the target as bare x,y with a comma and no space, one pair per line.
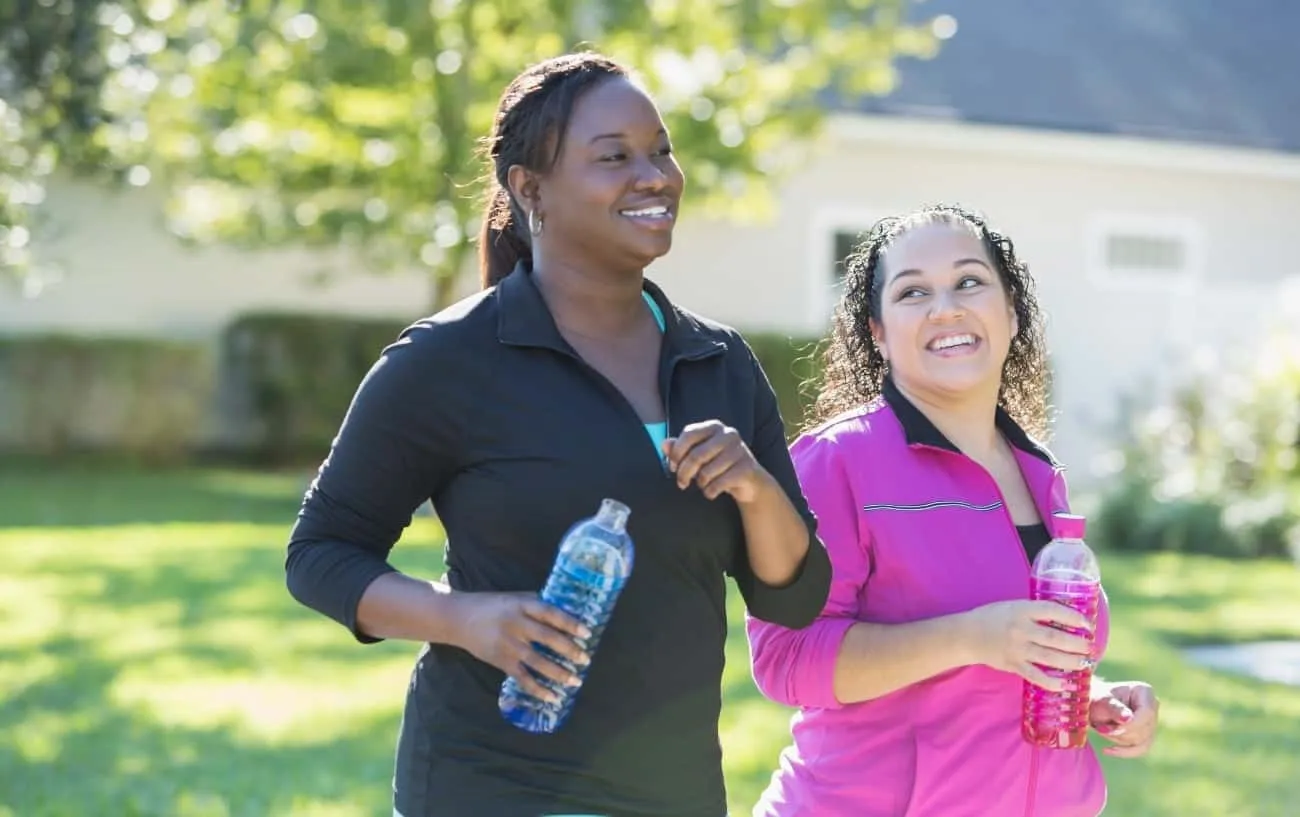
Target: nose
946,307
650,177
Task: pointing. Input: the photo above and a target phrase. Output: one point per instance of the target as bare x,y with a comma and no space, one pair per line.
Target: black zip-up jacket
488,411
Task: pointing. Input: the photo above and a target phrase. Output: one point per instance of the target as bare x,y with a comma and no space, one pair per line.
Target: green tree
73,83
333,122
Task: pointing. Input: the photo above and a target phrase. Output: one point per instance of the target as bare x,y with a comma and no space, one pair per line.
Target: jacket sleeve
797,667
794,604
391,454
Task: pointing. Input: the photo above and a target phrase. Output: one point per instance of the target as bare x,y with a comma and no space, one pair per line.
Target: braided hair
528,129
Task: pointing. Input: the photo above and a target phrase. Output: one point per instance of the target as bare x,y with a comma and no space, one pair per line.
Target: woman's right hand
500,629
1017,636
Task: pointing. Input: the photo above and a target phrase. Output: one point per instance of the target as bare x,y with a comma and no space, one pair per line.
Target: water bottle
1065,571
591,569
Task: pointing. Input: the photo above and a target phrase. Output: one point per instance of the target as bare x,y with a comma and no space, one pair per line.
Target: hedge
298,373
135,397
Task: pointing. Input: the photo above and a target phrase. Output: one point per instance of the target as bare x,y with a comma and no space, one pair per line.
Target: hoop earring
535,223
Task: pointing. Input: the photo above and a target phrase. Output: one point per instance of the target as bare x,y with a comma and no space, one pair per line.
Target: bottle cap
613,515
1069,525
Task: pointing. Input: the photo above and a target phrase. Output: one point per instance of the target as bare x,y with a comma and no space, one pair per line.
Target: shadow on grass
202,630
87,755
1193,601
1227,745
78,496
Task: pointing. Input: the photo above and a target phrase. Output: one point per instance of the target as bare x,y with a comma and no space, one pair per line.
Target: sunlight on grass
155,666
1226,745
160,667
273,708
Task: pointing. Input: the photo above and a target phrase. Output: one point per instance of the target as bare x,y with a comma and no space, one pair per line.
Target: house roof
1223,72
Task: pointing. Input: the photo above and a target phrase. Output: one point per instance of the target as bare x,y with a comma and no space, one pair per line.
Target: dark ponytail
528,130
501,244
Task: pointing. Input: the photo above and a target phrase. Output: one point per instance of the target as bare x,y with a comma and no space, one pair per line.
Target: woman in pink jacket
932,498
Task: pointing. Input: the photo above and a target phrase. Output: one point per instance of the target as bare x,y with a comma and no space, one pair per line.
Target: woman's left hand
1126,715
714,456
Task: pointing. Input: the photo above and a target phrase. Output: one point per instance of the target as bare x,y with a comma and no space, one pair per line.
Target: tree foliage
332,122
73,83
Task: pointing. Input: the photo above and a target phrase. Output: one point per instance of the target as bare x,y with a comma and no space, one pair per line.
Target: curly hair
852,367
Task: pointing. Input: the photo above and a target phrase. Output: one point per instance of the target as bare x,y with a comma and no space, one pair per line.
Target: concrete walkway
1274,661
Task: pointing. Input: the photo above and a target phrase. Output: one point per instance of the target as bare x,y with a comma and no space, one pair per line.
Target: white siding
126,275
1105,339
123,273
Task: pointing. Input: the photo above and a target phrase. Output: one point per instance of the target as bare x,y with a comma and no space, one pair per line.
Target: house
1144,155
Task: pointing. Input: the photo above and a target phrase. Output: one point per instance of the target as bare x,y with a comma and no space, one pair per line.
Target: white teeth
652,212
951,341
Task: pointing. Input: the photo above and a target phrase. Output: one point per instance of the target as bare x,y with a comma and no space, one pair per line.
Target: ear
878,336
1015,322
524,187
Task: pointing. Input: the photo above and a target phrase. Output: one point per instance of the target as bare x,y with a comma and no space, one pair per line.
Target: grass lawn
151,663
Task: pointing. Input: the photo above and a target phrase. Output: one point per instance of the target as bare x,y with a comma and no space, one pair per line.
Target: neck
592,302
969,421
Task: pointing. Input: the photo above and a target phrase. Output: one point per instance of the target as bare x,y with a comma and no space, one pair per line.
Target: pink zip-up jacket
915,530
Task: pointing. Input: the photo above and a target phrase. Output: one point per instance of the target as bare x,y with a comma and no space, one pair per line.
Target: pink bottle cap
1069,525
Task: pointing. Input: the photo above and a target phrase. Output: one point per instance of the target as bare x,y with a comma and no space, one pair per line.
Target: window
1144,251
1152,254
843,242
835,232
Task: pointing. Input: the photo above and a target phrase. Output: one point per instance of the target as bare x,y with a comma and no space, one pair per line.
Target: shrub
297,374
141,398
1213,469
791,367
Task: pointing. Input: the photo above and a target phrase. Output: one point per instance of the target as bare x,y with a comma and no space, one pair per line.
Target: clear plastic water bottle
1066,572
591,569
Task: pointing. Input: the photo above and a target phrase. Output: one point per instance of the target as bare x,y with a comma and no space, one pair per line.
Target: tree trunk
447,276
444,289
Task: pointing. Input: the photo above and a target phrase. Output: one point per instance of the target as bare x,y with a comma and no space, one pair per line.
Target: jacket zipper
1031,792
1031,796
665,382
666,370
665,388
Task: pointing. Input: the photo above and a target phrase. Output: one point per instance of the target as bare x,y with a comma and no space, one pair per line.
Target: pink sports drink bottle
1065,571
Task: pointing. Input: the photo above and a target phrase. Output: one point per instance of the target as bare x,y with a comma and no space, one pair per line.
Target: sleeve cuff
362,582
797,603
813,674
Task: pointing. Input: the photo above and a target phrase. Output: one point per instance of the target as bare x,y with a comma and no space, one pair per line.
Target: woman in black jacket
569,379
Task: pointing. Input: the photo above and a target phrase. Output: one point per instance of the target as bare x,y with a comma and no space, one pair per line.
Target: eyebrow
599,136
959,263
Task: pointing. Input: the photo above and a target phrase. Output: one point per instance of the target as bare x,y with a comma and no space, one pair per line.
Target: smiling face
611,198
946,321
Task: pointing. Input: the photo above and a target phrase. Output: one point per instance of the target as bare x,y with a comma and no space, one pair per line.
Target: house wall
1056,196
1110,333
124,274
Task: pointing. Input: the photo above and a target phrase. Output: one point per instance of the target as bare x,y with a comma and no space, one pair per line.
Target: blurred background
214,214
